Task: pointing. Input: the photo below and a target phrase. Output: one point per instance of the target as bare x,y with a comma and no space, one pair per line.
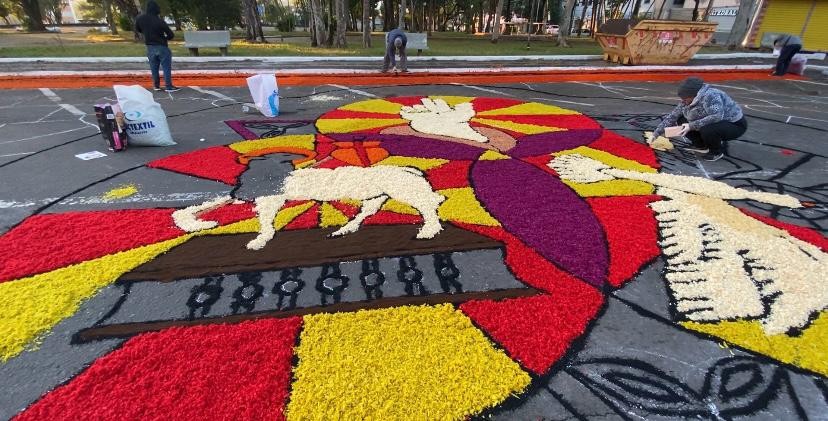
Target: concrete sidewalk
363,63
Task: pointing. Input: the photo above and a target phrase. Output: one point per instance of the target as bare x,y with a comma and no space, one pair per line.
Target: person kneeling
708,117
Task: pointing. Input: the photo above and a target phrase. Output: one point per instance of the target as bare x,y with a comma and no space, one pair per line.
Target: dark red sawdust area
218,163
210,372
97,81
805,234
632,233
46,242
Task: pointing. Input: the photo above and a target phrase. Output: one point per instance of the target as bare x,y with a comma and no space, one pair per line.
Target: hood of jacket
153,8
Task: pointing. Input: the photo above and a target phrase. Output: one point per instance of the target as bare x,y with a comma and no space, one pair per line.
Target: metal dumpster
628,41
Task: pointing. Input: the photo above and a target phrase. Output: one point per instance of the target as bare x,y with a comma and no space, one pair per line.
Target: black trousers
785,57
713,136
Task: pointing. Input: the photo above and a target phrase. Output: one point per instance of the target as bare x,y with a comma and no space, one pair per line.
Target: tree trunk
636,8
569,9
496,22
741,23
430,24
707,10
401,22
695,10
341,23
109,16
583,16
32,10
318,22
367,25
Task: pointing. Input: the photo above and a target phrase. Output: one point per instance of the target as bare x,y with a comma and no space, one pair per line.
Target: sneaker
713,157
697,149
156,88
172,89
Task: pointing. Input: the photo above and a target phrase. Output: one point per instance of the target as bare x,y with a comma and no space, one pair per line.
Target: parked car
552,29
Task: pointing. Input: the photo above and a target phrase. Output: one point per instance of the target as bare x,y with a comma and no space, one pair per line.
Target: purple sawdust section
546,143
545,214
415,146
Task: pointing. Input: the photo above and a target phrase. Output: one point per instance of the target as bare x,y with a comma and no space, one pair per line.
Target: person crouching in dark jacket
708,117
156,33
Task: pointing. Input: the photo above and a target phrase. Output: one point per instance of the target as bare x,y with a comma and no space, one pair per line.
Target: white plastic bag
146,123
265,94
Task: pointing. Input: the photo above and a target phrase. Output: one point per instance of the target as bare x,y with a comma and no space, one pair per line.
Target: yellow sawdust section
330,216
399,207
529,108
121,192
346,125
452,100
374,106
517,127
610,187
31,306
462,206
807,350
417,363
608,158
303,141
491,155
423,164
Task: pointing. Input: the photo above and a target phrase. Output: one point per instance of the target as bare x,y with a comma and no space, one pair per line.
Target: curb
317,77
293,59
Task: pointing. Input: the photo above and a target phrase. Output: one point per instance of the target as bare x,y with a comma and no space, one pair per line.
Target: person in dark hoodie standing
156,33
708,116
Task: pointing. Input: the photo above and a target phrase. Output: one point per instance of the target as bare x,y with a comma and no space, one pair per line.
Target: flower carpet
431,257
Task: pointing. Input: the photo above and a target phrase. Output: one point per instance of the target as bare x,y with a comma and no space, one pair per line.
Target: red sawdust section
217,372
47,242
237,79
805,234
632,233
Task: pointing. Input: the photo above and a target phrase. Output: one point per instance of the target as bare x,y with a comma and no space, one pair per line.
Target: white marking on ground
43,135
218,95
16,154
96,200
491,91
322,98
356,91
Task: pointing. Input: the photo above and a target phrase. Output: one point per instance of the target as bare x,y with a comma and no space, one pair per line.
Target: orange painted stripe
213,80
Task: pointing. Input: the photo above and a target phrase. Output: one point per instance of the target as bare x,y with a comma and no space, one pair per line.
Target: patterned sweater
710,106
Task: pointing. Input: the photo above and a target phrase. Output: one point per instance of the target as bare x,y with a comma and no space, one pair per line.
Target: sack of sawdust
660,143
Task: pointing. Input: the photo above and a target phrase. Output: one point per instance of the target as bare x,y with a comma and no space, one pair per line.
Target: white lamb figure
270,190
721,263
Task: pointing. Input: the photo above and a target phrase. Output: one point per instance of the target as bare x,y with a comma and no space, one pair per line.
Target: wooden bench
415,40
193,40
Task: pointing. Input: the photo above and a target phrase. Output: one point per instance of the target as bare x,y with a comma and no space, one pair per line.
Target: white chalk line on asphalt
96,200
356,91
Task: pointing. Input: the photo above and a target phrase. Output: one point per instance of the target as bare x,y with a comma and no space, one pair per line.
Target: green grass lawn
295,45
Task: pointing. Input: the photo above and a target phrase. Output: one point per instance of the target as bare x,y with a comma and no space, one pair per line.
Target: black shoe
172,89
697,149
156,88
713,157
